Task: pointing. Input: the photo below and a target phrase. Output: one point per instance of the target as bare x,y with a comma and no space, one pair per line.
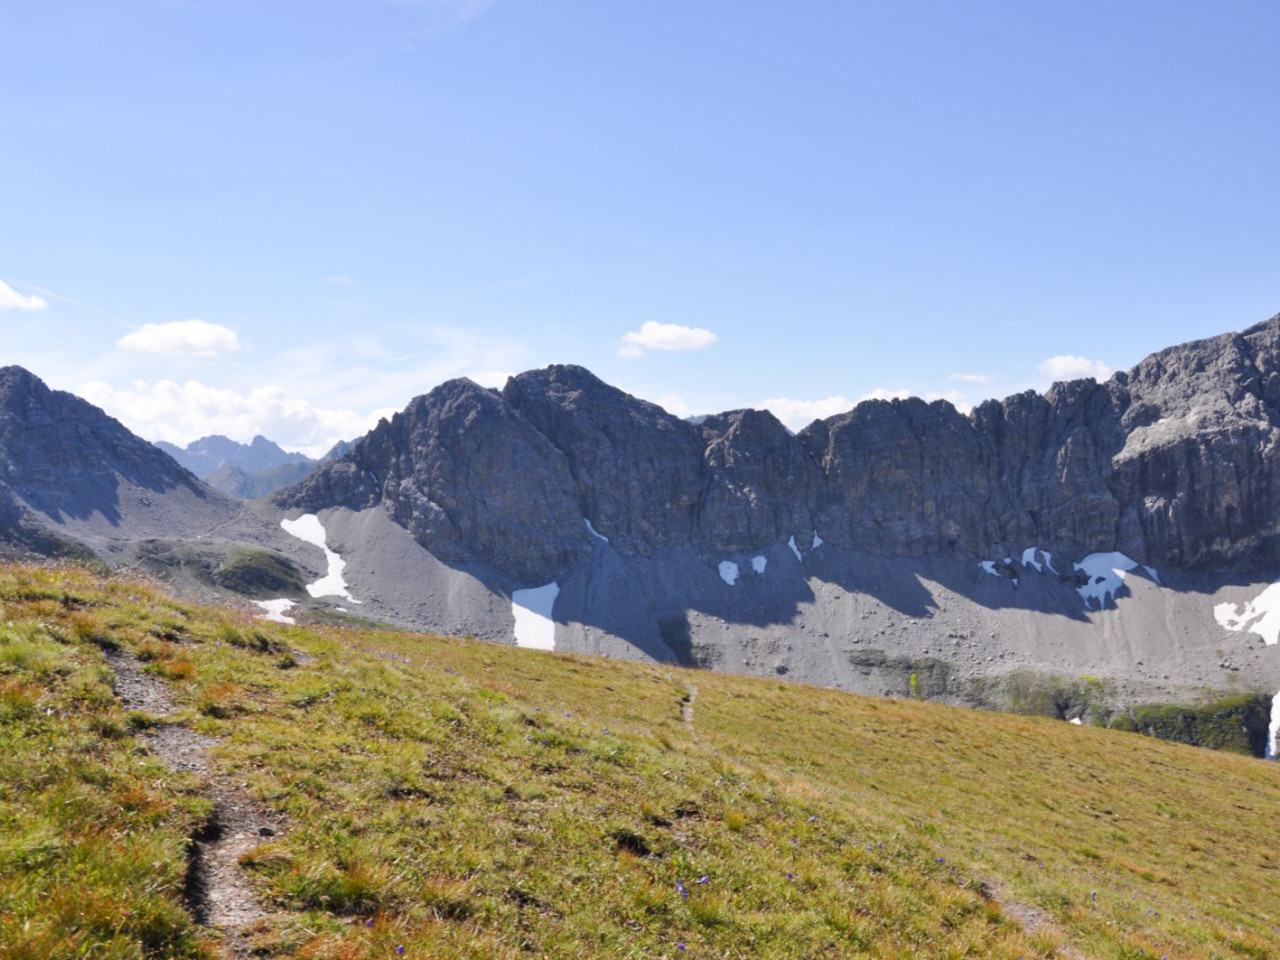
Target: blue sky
290,217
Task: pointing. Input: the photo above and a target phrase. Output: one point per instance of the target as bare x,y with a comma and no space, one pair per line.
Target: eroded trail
217,891
1030,918
686,706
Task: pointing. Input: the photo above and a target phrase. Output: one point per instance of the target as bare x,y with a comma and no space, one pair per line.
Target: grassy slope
462,799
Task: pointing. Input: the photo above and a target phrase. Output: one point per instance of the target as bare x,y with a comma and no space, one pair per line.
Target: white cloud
970,378
674,405
11,299
664,336
954,397
1067,367
798,414
884,393
492,379
193,338
340,281
180,413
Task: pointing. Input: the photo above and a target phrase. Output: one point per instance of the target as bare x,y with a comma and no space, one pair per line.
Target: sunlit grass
467,800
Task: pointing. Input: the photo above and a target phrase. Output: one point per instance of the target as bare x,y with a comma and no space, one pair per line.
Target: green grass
468,800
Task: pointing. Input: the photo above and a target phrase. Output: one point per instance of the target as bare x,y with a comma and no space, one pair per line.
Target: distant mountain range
247,471
1128,531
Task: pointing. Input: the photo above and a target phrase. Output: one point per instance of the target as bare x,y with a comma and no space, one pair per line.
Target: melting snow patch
594,532
990,567
1029,559
309,529
1261,615
1106,576
1077,721
729,572
758,564
532,611
276,610
794,549
817,541
1274,729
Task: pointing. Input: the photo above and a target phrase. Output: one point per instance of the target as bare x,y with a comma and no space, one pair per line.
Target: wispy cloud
191,338
1067,367
11,299
664,336
457,10
970,378
470,9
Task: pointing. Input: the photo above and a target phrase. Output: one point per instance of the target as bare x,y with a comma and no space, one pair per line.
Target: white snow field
276,610
729,572
759,563
1106,572
1261,615
532,611
309,529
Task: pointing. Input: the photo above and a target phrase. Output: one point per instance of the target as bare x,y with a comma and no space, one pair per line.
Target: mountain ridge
1125,531
1083,468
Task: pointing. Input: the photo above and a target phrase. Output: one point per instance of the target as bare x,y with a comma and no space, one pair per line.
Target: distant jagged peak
208,455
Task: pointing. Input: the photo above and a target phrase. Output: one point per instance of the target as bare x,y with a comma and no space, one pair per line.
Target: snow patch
817,541
594,532
990,567
794,549
531,609
1077,721
759,563
729,572
1274,729
276,610
1106,576
1030,558
309,529
1261,615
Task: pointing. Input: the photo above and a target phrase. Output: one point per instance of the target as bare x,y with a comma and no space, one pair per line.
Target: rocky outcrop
1174,463
64,458
468,476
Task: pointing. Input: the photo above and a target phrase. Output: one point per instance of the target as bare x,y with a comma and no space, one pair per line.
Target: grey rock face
468,476
635,471
1173,463
66,459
